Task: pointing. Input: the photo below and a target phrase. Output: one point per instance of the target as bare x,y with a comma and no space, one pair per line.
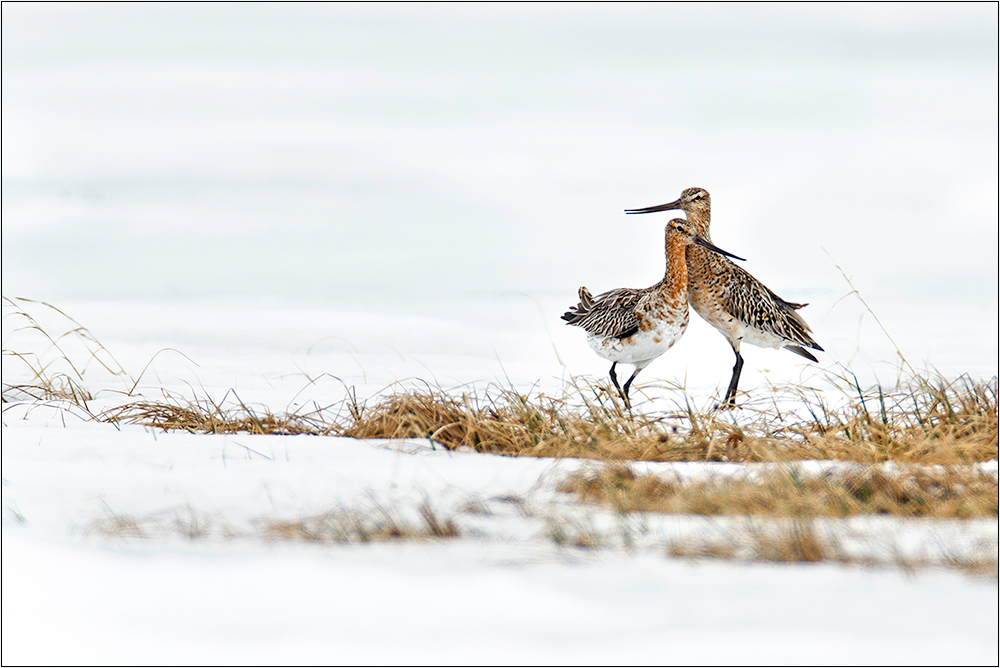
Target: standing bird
636,326
730,299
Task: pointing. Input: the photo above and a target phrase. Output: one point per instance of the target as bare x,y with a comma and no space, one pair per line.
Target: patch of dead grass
949,424
576,533
796,542
926,419
364,523
931,422
800,541
784,491
210,417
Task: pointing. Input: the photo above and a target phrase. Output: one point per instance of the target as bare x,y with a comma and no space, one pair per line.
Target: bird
635,326
742,308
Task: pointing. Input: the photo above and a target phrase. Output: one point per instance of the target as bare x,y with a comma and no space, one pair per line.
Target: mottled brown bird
730,299
635,326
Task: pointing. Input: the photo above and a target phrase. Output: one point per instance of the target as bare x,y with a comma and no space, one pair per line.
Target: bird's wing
609,314
754,304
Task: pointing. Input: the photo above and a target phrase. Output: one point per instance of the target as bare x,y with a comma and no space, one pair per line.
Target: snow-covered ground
294,201
503,592
453,604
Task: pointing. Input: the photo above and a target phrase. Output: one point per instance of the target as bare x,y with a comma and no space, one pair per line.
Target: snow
410,604
502,593
287,203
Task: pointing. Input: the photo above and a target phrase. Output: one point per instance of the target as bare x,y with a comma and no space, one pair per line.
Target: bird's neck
675,279
701,220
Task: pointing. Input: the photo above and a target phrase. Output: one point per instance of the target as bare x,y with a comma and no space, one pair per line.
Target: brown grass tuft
55,363
801,541
947,424
374,522
574,533
209,417
796,542
786,492
931,422
365,523
927,420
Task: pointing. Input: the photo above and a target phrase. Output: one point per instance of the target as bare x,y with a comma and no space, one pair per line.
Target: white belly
642,347
735,331
762,339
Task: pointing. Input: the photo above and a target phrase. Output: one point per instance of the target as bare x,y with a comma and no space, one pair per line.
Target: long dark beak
715,249
670,206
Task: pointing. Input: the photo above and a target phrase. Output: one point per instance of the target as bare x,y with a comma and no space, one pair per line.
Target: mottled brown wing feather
753,303
609,314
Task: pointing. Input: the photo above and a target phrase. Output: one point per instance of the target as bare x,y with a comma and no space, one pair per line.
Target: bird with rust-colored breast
635,326
742,308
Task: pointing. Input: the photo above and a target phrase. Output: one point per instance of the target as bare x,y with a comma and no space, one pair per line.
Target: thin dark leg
614,379
729,401
628,384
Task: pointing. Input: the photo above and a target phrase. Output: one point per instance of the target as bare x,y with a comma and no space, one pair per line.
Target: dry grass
576,533
792,543
53,375
207,416
782,540
936,492
931,421
375,524
926,419
365,523
800,541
